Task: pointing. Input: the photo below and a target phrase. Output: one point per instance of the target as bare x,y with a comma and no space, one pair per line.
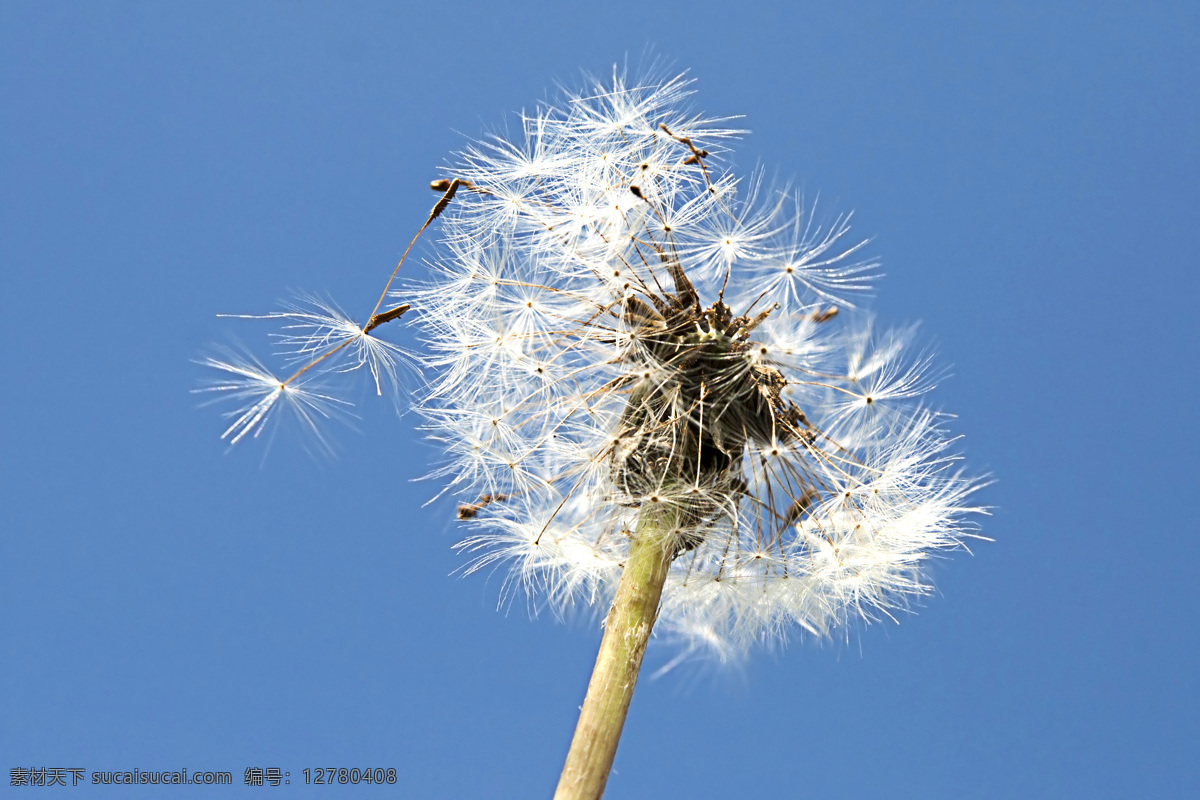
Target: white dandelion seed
311,327
316,341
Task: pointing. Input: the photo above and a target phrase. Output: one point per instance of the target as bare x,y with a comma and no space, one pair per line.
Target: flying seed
387,316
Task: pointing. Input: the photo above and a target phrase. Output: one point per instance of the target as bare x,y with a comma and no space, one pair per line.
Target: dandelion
648,395
652,392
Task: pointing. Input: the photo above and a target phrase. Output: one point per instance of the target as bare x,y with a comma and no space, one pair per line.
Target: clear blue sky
1029,174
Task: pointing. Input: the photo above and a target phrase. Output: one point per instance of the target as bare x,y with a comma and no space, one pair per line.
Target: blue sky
1028,173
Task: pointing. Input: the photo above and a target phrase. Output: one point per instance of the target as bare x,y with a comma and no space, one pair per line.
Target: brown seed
471,510
441,204
387,316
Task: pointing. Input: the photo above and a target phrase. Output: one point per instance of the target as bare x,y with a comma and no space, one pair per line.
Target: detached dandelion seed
321,340
653,392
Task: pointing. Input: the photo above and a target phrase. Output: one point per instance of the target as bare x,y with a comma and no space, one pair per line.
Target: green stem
626,633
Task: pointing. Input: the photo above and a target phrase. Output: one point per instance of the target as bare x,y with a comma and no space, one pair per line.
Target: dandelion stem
626,634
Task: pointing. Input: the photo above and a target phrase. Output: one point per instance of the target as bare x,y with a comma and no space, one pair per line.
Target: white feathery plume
259,397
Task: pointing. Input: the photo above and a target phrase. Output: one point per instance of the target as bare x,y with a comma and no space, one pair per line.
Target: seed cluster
617,320
693,427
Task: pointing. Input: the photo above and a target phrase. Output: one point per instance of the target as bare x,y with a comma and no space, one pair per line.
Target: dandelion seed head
615,321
